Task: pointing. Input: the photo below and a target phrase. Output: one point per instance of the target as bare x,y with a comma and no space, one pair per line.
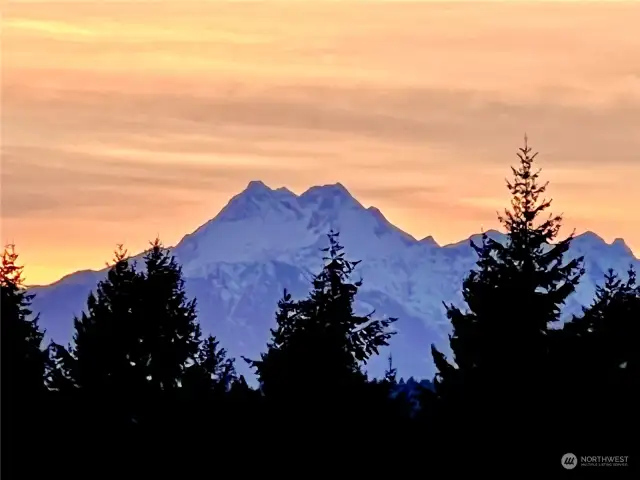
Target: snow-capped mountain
264,240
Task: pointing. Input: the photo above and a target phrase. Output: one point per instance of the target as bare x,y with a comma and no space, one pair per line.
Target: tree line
140,371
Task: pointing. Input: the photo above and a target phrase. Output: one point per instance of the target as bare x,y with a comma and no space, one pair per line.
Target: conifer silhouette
23,359
501,343
391,372
138,364
135,342
613,323
24,364
171,333
101,376
319,344
213,372
602,343
100,359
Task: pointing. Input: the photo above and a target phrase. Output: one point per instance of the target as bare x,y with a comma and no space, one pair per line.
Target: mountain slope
264,240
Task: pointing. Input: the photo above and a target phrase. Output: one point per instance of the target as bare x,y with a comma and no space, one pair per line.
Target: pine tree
598,360
219,368
23,359
266,368
391,373
500,344
104,356
320,344
135,341
213,372
25,401
397,405
330,304
171,333
602,340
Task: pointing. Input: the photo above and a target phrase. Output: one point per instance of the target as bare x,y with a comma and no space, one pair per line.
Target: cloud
97,185
409,138
419,109
282,123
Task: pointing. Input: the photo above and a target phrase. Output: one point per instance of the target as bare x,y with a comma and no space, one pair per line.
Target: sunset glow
126,120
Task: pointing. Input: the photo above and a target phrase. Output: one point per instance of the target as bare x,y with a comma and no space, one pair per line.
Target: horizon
498,229
418,109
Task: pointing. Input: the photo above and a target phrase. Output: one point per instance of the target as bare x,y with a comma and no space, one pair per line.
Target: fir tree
391,373
171,333
270,377
219,368
135,341
23,360
396,404
500,344
213,372
24,397
601,343
105,356
598,363
319,344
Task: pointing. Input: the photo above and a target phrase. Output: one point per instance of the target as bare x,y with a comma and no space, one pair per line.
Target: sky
127,120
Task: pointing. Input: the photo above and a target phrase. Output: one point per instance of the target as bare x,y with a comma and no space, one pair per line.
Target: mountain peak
328,189
257,186
285,190
250,202
429,241
329,196
590,237
621,245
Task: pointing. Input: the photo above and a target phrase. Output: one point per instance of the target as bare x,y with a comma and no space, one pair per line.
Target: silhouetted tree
105,354
602,342
23,374
136,340
23,359
101,376
397,407
212,372
171,333
391,372
500,344
271,379
319,344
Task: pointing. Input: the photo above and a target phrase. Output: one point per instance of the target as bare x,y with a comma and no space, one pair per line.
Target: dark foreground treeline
140,385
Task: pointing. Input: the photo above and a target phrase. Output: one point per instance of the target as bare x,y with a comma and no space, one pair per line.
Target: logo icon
569,461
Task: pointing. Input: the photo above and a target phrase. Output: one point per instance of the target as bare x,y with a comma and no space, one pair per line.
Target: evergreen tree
598,368
135,342
391,373
397,405
601,343
500,344
105,355
212,392
219,368
23,360
271,378
213,371
319,344
171,333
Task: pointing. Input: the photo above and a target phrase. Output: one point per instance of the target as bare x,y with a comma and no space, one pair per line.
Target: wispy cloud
109,107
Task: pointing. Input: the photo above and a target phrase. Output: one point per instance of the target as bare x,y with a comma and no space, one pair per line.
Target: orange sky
126,120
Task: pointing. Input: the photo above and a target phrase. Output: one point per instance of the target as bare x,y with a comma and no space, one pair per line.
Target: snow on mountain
265,240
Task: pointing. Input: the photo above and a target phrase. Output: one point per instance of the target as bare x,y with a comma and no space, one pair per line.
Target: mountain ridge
265,240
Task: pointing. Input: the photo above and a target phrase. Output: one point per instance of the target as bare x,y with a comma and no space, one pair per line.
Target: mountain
264,240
